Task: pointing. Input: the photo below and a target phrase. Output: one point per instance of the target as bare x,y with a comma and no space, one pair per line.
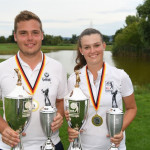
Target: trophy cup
18,108
77,106
47,114
114,120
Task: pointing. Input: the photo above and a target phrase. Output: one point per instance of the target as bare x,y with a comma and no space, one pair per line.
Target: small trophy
18,108
47,114
77,106
114,120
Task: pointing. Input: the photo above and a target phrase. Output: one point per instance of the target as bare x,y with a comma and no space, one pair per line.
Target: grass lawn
138,131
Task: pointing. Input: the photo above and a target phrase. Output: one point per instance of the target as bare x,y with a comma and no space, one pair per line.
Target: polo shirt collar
25,64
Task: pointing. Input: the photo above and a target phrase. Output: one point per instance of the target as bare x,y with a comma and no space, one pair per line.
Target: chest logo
109,86
46,77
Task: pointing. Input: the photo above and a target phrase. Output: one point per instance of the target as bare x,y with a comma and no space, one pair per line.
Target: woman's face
92,48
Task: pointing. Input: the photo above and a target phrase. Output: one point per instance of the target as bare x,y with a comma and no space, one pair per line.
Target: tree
2,39
106,39
74,39
131,19
128,41
144,25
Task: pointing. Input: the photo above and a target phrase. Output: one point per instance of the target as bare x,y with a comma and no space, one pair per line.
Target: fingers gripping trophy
114,120
18,108
77,106
47,114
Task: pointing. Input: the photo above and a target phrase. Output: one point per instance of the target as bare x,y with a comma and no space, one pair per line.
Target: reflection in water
138,69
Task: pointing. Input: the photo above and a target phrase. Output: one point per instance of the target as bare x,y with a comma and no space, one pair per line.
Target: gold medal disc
97,120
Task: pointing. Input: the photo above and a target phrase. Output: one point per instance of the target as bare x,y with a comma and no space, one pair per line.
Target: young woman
104,85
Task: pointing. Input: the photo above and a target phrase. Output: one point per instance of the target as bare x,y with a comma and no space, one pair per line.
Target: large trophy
47,114
77,106
114,120
18,108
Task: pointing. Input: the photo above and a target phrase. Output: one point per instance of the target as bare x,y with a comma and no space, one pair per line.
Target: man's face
29,37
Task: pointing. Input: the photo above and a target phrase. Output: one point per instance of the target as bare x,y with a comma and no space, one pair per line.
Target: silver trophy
47,114
18,108
114,120
77,106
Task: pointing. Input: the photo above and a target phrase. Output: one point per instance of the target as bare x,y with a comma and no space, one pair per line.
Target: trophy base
48,146
113,148
74,148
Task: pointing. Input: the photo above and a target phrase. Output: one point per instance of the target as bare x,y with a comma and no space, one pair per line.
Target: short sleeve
126,85
62,89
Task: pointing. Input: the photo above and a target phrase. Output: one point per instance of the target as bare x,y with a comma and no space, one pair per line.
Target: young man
40,74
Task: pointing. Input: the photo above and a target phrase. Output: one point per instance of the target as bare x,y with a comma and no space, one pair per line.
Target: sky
68,17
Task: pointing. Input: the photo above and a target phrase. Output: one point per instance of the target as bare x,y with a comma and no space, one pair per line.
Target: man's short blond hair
26,16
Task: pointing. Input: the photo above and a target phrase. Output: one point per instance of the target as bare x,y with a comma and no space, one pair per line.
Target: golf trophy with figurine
114,120
47,114
77,106
18,108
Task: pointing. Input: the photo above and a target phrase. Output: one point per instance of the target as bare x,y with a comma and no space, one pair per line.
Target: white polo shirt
94,137
53,78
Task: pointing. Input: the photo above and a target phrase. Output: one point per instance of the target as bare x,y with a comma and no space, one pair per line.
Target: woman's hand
117,138
67,115
72,133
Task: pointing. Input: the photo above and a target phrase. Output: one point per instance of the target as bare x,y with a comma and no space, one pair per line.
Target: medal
97,120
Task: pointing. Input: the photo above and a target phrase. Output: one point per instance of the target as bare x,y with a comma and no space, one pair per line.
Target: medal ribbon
32,90
97,103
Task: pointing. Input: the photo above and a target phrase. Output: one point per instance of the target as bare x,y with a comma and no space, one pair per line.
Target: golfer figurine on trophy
114,119
77,106
47,114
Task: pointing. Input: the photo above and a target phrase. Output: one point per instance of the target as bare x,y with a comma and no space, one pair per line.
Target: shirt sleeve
62,89
126,85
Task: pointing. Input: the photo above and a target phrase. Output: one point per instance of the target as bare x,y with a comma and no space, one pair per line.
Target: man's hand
57,122
10,137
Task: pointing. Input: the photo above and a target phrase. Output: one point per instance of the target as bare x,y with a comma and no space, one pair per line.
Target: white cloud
67,17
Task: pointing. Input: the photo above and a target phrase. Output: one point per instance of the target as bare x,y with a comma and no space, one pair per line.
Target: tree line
134,38
52,40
